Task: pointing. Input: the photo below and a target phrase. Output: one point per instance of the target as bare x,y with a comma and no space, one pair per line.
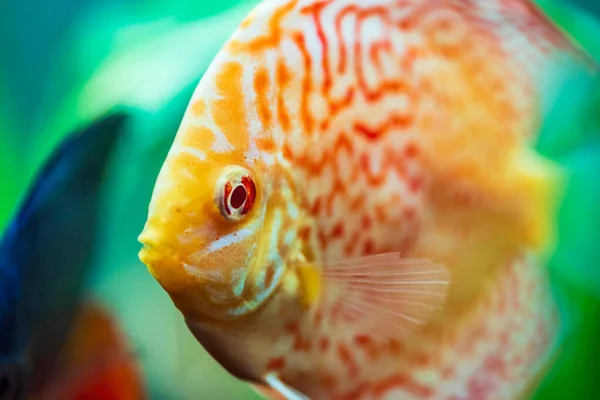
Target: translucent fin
386,296
287,392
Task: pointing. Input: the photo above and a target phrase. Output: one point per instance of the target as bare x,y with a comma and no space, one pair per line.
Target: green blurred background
68,62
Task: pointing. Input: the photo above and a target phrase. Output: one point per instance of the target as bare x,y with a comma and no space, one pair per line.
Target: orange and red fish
96,362
353,207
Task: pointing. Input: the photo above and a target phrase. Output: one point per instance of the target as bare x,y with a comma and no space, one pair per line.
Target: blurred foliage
63,66
591,6
13,182
571,136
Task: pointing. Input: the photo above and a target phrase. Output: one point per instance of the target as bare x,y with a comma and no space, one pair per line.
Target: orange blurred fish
96,362
352,207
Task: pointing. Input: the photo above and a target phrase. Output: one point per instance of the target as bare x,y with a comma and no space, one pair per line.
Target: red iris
239,199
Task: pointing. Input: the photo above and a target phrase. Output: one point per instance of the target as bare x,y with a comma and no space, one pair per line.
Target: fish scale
388,126
342,137
511,336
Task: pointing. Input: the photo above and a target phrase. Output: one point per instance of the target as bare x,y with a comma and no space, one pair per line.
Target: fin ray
280,387
385,295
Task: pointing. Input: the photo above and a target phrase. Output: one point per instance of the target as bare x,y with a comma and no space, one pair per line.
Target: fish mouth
148,253
197,284
176,269
155,253
145,254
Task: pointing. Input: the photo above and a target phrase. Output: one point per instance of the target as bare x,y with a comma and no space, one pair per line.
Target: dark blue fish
45,257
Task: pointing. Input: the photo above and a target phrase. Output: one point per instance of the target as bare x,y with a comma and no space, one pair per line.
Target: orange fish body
326,138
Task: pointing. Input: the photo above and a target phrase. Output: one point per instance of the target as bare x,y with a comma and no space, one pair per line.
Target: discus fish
352,206
45,257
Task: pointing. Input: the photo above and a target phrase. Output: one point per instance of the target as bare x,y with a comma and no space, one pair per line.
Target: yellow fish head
201,233
208,224
213,229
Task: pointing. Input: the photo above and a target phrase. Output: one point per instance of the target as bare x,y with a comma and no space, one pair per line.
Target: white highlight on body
221,144
228,240
289,237
273,255
372,31
292,210
200,155
254,125
318,106
219,244
238,277
197,273
240,280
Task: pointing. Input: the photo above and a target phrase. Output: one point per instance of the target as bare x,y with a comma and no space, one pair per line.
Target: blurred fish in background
96,361
45,257
67,64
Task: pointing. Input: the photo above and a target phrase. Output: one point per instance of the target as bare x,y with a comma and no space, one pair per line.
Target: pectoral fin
384,295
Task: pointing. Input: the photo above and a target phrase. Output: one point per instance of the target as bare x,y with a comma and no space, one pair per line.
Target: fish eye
236,193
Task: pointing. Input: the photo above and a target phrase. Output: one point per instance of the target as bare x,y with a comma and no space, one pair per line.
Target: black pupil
238,197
